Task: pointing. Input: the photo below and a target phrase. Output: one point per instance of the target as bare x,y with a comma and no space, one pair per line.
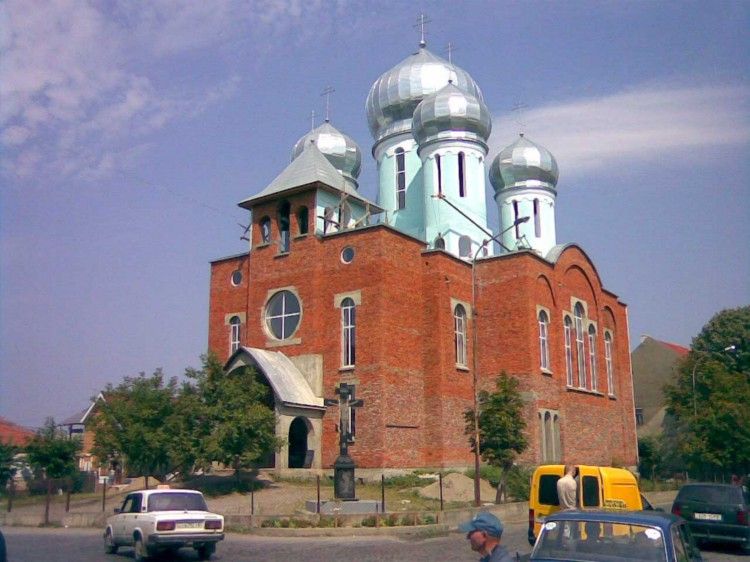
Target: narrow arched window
303,220
401,177
592,358
461,174
459,321
234,335
580,346
284,226
265,230
610,366
348,332
568,329
464,246
439,170
543,342
537,220
516,216
440,243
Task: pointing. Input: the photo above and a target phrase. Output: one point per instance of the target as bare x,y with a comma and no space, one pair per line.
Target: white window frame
459,332
578,315
609,362
592,358
543,319
235,332
568,329
348,332
284,315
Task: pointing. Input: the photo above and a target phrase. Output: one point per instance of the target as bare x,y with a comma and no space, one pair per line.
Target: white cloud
648,123
78,78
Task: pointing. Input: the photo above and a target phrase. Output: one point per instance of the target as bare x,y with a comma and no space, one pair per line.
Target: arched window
537,220
440,243
543,343
265,230
549,445
401,177
303,220
516,216
459,320
439,174
580,346
464,246
610,366
348,332
592,358
568,328
461,174
234,336
284,226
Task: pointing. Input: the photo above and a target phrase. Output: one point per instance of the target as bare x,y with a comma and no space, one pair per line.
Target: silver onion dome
339,149
523,164
451,113
395,95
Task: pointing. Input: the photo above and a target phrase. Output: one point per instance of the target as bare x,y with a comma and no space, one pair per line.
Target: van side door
589,487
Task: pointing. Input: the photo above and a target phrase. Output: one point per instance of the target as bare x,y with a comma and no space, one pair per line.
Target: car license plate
190,525
707,516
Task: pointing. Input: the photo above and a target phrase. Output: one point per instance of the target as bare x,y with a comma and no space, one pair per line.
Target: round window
282,314
236,277
347,254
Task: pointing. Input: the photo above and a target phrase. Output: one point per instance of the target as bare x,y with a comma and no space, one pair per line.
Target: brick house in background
387,296
655,364
78,426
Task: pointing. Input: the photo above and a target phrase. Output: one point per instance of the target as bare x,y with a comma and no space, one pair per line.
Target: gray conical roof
451,113
523,164
395,95
340,150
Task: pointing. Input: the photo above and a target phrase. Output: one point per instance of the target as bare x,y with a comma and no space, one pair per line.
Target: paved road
85,545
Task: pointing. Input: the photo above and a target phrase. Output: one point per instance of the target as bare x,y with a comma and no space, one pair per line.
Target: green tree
53,453
501,428
134,424
233,415
710,400
7,470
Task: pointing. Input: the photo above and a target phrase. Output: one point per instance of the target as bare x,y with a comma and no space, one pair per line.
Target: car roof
167,491
656,519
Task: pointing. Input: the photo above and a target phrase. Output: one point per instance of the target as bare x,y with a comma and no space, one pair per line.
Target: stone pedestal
343,478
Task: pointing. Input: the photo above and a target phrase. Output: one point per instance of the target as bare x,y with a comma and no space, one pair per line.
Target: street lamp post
703,355
475,352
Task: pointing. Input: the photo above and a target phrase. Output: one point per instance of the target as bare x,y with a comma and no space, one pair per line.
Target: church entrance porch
298,431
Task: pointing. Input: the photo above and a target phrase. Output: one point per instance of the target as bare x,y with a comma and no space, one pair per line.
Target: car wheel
141,553
109,542
205,551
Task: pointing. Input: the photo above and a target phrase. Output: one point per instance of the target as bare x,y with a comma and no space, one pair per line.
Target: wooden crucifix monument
343,468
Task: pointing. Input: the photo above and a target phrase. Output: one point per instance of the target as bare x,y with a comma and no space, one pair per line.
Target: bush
411,480
326,522
519,483
370,521
300,523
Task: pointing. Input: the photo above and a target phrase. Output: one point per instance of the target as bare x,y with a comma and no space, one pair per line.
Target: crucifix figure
343,468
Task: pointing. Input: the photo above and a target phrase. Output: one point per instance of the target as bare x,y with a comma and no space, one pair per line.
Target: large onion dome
451,113
523,164
339,149
395,95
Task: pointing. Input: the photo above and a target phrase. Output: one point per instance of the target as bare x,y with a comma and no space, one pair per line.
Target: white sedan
164,519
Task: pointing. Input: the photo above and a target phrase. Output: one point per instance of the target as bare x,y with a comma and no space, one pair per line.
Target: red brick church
387,295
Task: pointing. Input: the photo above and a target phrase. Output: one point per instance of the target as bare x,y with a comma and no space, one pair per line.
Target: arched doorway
298,431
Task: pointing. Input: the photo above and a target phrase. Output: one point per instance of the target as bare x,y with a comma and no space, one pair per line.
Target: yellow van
600,487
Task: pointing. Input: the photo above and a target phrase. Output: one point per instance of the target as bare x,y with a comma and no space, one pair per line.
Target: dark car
716,512
615,536
3,552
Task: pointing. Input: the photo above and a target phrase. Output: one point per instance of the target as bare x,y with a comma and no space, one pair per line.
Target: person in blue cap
484,532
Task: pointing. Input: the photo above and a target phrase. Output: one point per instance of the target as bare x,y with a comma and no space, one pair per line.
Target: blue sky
130,130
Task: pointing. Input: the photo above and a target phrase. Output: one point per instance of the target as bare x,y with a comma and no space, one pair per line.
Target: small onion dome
523,164
395,95
451,113
339,149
